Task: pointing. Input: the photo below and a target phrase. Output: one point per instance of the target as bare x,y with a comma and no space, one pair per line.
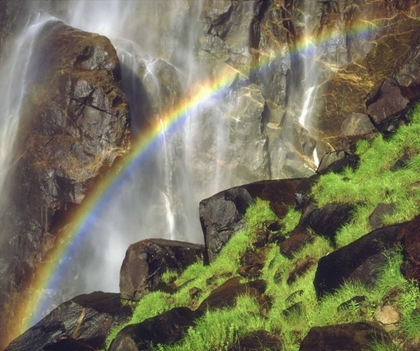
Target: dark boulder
386,104
259,340
222,215
225,295
409,237
86,319
162,329
354,301
296,241
146,260
352,336
67,344
359,261
327,220
301,268
279,193
251,264
376,219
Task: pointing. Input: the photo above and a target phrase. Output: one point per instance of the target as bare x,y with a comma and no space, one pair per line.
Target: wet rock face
74,125
146,260
391,57
84,321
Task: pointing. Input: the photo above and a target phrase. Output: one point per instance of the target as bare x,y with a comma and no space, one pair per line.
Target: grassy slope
372,183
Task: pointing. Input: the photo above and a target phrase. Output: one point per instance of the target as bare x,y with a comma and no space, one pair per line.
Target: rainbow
48,275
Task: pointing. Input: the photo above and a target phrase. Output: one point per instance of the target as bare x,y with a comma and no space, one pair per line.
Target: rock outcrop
146,260
84,321
352,336
222,215
74,126
163,329
361,261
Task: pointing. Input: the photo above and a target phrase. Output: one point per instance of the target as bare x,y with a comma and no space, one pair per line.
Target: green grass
373,182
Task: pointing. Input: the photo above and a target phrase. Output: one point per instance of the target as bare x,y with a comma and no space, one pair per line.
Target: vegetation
388,173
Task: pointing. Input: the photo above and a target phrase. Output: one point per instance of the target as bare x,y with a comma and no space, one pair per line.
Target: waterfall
14,87
185,165
310,72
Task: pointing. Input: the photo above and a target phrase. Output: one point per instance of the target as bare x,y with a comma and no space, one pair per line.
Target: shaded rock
251,264
327,220
301,268
376,217
222,215
87,319
357,124
261,240
354,301
348,161
67,344
225,295
329,158
401,163
162,329
385,104
294,295
257,341
355,128
146,260
351,336
297,239
294,310
280,193
359,261
409,237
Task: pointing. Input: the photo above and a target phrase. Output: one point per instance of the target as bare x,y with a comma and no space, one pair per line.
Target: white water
13,91
310,79
161,198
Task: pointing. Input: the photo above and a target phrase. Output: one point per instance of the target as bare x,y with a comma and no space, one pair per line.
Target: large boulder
146,260
361,261
386,103
162,329
352,336
409,237
84,320
327,220
222,215
74,126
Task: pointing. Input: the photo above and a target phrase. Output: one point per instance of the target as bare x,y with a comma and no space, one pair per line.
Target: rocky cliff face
75,124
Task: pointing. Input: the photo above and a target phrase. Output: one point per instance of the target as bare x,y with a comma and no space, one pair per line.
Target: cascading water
14,83
197,160
310,73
